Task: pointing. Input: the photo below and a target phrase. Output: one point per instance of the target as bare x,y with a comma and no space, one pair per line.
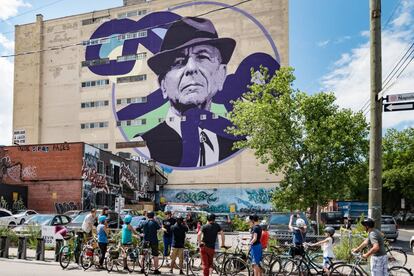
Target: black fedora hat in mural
189,31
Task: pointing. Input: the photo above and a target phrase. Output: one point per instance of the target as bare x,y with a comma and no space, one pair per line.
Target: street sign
400,97
389,107
119,204
134,144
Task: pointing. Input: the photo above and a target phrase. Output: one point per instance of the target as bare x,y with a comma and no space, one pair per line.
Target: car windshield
387,221
39,219
221,218
79,218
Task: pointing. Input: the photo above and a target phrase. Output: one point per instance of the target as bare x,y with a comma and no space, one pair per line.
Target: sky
328,47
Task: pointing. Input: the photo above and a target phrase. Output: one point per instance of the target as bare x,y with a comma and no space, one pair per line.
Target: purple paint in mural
191,64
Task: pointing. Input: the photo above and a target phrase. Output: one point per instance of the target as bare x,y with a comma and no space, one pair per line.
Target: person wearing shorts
150,228
256,250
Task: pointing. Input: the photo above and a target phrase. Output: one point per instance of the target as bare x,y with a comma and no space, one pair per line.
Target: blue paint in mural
220,200
190,60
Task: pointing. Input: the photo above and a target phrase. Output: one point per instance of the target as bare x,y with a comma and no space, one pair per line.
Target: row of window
94,104
101,145
94,62
95,83
120,37
132,57
134,78
136,122
131,100
95,20
131,13
94,125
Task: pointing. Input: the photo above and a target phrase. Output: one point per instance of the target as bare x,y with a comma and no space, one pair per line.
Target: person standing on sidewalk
102,231
89,223
167,237
179,230
256,250
150,228
206,238
375,242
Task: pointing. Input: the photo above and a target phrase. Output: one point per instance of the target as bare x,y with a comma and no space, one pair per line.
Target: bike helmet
330,230
127,219
102,218
300,223
264,224
368,222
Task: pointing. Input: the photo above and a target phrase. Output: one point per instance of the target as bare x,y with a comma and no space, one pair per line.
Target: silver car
389,227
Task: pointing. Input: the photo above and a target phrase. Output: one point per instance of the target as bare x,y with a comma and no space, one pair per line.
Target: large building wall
48,91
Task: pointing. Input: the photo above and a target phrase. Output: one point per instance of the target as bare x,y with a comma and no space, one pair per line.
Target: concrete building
62,176
100,78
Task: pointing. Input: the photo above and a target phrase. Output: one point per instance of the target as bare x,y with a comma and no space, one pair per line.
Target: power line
113,36
32,10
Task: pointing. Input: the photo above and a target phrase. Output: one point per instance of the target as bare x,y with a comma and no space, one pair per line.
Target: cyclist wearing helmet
126,237
375,241
327,247
102,231
299,235
264,240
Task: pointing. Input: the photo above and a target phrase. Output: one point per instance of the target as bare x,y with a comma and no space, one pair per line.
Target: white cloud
342,39
9,8
7,44
323,44
349,78
6,101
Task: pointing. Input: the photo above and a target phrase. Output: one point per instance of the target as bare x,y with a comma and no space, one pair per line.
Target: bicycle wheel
195,263
275,267
109,264
345,269
65,255
218,262
131,259
396,257
147,263
317,260
96,257
161,259
290,267
399,271
236,266
267,260
85,260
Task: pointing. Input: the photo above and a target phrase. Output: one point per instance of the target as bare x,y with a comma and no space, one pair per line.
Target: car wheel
12,224
412,247
22,221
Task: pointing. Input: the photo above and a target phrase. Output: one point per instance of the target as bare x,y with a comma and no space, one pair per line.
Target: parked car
76,223
136,220
11,220
389,227
334,219
279,222
37,221
225,222
73,213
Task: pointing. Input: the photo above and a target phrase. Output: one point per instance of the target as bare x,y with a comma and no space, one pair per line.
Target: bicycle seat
225,247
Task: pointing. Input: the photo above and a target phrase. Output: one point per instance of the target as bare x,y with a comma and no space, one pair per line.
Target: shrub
240,224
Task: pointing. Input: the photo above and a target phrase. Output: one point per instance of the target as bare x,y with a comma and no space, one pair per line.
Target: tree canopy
310,140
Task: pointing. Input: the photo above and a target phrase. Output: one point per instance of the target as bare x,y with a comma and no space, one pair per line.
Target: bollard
58,246
40,249
22,248
4,247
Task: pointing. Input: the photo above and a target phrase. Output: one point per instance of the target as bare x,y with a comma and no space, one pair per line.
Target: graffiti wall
223,200
195,67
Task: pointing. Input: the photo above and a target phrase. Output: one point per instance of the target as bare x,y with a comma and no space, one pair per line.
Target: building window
136,122
101,146
132,57
131,78
127,36
215,116
203,117
131,14
94,83
161,120
94,104
94,125
131,100
94,20
183,118
95,62
96,41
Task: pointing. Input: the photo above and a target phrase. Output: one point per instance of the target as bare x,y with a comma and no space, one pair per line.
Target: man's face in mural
195,76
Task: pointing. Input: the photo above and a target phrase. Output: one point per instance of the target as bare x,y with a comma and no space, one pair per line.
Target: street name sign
400,97
389,107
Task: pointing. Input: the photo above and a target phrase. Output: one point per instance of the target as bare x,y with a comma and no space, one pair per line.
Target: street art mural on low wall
223,200
63,207
184,119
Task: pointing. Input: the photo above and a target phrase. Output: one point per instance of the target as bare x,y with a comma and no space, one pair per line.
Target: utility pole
375,144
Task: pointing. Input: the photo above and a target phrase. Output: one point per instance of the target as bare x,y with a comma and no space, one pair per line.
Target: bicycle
356,269
396,255
114,259
68,252
232,264
90,255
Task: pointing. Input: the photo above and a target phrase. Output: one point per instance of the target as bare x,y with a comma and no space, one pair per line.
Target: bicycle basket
114,254
89,252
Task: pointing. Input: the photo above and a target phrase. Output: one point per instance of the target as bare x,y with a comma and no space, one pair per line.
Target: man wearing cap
191,67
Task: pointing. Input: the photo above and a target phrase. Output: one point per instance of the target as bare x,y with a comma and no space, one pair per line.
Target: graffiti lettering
128,177
259,196
54,147
40,148
196,197
97,180
29,172
7,168
61,147
63,207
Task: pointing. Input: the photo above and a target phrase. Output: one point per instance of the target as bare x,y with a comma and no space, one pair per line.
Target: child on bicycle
126,237
327,247
299,235
102,232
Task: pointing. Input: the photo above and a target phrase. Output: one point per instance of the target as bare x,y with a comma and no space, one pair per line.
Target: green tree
398,163
307,138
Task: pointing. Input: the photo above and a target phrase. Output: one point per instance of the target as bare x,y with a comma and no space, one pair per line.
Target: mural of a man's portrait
186,116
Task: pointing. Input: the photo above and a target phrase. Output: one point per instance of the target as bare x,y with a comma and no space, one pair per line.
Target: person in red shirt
264,240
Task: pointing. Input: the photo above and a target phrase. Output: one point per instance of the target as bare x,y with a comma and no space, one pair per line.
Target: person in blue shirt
299,235
126,237
255,245
150,228
102,232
